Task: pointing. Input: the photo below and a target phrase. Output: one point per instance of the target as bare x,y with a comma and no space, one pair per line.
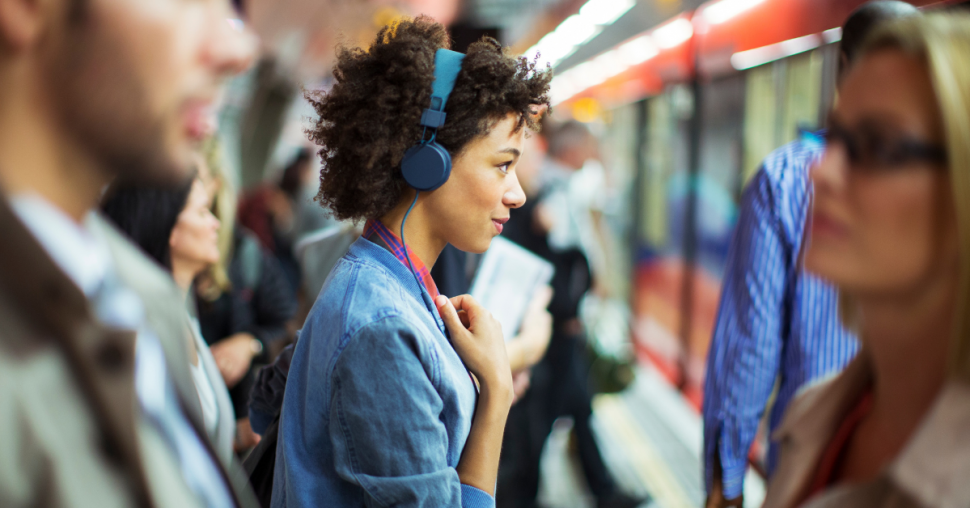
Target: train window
781,98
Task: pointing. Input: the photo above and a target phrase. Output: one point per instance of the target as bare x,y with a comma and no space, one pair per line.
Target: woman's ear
538,111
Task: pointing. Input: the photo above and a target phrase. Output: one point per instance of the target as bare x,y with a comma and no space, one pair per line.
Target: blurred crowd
170,339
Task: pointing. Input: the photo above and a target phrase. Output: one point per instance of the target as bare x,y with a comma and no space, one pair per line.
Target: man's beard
105,108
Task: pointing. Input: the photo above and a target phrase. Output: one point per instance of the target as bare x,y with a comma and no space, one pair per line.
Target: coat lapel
102,359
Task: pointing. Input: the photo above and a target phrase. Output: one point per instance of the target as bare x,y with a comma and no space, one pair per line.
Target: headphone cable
407,253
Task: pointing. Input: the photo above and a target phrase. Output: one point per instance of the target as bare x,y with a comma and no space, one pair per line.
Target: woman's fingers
467,309
477,340
463,316
468,304
449,315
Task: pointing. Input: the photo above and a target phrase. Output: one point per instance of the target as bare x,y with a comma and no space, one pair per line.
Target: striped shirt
775,322
376,228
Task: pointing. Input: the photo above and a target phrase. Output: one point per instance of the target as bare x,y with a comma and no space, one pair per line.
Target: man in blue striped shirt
776,323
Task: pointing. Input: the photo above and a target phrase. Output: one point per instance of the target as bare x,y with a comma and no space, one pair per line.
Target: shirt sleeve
744,355
387,429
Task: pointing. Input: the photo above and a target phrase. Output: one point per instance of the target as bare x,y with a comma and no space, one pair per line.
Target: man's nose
232,46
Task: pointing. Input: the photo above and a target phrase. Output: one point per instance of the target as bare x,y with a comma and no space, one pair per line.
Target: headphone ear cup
426,167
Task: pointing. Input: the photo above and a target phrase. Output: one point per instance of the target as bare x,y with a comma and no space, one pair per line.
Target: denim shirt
378,405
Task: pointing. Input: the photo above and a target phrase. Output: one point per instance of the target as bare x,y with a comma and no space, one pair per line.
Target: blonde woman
243,301
891,228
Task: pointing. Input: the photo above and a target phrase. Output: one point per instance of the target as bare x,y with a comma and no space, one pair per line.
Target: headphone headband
427,165
447,65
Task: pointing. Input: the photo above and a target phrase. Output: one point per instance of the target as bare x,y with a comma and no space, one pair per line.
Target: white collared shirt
71,245
931,471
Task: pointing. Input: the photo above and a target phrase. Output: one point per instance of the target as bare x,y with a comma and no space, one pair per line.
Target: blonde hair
224,208
942,41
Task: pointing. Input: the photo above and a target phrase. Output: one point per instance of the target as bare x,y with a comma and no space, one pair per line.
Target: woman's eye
504,168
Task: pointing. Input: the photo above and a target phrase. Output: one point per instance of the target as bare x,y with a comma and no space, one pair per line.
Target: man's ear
21,22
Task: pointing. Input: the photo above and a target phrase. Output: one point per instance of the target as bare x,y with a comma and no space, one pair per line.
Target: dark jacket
261,302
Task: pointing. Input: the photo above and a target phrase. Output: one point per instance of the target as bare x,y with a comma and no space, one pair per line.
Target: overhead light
609,64
555,47
561,42
726,9
576,30
673,33
561,89
832,35
552,48
612,63
585,75
760,56
638,50
605,12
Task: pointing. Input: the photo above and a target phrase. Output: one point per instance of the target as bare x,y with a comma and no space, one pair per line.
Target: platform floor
651,440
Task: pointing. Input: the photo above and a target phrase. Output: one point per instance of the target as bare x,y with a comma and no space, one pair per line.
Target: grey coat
72,433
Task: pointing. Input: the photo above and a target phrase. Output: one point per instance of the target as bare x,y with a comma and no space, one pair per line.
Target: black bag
261,463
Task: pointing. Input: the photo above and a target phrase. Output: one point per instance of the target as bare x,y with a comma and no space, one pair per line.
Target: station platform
651,439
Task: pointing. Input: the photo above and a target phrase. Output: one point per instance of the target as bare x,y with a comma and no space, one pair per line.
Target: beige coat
932,471
70,428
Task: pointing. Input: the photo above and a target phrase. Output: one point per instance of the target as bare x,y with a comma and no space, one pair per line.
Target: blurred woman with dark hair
176,228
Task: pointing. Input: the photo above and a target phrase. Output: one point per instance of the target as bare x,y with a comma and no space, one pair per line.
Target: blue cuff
259,421
475,498
732,479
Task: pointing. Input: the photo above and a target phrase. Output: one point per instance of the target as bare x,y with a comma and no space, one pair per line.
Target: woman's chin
475,247
823,264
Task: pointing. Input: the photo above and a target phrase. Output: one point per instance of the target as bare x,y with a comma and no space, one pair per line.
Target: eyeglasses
871,150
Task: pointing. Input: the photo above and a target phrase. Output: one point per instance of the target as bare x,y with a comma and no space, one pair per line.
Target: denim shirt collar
366,249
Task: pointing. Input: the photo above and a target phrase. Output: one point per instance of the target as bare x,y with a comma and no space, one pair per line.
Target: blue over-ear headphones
427,165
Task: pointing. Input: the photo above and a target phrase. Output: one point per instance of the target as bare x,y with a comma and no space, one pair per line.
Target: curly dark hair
371,115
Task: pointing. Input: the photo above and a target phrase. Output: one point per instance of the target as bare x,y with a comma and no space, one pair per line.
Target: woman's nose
515,196
215,222
829,173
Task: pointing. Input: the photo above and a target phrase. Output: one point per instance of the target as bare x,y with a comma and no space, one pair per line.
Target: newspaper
507,278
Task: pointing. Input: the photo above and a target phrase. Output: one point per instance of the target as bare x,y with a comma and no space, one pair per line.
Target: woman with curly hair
398,396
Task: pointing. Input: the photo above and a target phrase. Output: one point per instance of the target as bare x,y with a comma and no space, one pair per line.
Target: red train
690,107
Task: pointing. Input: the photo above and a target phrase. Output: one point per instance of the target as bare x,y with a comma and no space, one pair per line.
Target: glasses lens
871,150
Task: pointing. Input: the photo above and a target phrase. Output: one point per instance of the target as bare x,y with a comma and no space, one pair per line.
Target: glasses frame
873,152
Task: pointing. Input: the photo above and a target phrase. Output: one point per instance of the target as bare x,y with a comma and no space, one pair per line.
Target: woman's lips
824,225
499,224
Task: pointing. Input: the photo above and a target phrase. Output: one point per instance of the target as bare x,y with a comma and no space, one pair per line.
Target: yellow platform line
646,462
